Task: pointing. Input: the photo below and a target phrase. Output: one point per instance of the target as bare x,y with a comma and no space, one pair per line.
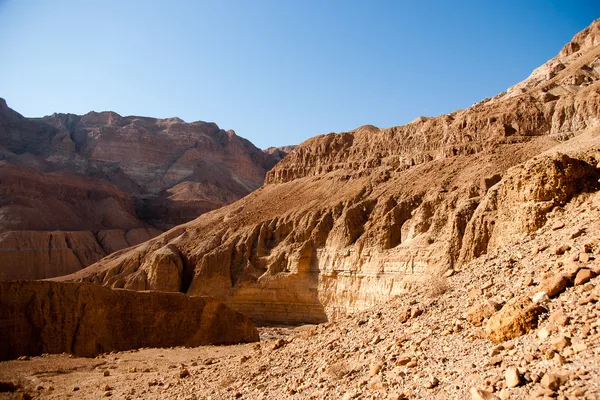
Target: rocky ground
432,342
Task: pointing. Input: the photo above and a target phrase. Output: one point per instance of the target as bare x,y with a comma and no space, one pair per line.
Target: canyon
455,256
86,320
411,203
75,188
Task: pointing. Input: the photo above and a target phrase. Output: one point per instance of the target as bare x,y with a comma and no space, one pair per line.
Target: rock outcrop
86,320
109,182
347,220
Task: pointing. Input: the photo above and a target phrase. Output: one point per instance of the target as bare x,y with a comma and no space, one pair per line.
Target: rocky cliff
347,220
107,182
86,320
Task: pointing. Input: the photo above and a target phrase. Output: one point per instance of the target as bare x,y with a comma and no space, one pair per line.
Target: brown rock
478,394
184,373
477,314
551,381
555,285
516,318
560,342
47,317
583,276
512,377
560,250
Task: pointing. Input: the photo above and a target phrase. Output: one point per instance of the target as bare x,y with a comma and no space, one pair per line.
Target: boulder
516,318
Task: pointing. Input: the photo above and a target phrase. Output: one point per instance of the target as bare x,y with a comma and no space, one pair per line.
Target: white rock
540,298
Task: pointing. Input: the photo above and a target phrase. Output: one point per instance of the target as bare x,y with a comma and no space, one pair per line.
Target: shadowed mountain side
107,182
86,320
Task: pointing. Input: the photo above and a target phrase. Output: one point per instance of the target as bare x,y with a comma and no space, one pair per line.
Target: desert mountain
76,188
348,220
455,257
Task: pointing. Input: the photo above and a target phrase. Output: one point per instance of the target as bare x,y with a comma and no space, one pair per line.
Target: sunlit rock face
108,182
348,220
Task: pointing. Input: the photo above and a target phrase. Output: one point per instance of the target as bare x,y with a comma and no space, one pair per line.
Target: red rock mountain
76,188
348,220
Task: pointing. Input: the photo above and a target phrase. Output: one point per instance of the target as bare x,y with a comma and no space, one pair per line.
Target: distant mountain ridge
129,177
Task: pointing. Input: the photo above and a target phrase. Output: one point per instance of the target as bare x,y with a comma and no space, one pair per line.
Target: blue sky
275,71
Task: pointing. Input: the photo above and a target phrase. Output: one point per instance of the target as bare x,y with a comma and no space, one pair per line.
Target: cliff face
86,320
108,182
348,220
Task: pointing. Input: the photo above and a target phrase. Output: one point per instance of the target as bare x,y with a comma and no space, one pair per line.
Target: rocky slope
349,220
86,320
432,342
108,182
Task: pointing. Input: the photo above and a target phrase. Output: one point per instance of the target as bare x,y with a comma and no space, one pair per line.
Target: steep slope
108,182
348,220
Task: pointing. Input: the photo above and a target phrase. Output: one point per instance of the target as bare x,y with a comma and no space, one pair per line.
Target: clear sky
275,71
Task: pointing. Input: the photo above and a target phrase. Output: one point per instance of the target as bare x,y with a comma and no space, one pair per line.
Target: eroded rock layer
85,320
89,176
348,220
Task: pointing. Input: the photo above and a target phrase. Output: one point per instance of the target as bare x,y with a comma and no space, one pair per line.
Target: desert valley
454,257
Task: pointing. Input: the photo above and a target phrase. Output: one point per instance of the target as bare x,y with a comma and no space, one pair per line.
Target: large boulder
516,318
84,319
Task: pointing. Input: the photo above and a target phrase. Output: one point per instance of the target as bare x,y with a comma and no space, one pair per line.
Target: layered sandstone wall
86,320
108,182
348,220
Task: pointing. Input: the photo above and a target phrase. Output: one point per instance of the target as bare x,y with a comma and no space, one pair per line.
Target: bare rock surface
85,320
86,175
416,345
348,220
455,257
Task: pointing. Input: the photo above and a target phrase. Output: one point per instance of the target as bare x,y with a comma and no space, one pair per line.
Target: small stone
478,394
184,373
560,342
375,368
555,285
559,318
403,315
540,298
415,312
475,294
577,233
558,225
75,388
583,276
543,334
512,377
479,313
431,383
560,250
579,347
279,343
516,318
496,360
403,360
106,372
551,381
107,387
377,339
